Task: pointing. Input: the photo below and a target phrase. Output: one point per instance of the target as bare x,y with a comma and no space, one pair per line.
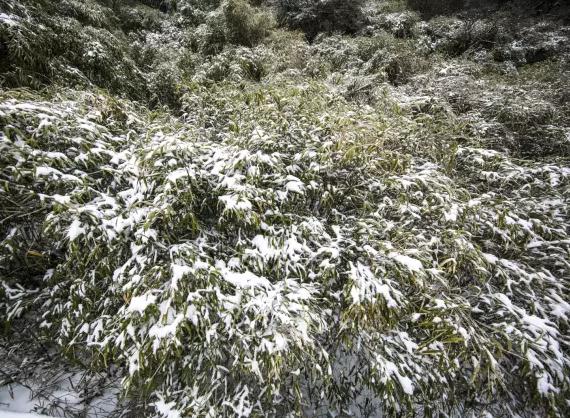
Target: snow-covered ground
17,401
56,399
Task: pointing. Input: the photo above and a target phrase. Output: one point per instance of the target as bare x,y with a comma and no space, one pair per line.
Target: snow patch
140,303
412,264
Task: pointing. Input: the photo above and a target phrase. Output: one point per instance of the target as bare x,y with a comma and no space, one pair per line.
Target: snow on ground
62,399
16,401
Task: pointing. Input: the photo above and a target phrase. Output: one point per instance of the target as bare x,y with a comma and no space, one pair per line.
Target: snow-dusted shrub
397,60
320,242
41,46
165,87
400,24
210,36
313,17
400,67
164,6
536,128
533,44
133,18
91,13
455,36
234,63
282,250
233,22
289,50
430,8
246,25
252,66
336,52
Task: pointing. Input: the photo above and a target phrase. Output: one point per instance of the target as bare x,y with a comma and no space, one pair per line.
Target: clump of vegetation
456,36
430,8
400,24
233,22
66,41
372,223
245,25
314,17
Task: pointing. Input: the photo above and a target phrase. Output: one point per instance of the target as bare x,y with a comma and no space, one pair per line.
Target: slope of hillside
223,208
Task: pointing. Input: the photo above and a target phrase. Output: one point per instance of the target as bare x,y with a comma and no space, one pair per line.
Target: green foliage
395,60
234,22
430,8
43,45
133,19
401,25
245,25
313,17
165,88
274,194
455,36
288,50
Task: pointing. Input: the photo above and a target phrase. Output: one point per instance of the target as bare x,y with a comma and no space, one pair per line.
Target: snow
245,280
412,264
295,186
451,215
561,309
47,171
62,200
491,259
166,410
265,250
17,401
538,325
439,304
367,286
10,20
544,386
75,230
163,331
235,202
405,382
55,174
180,173
178,271
140,303
15,398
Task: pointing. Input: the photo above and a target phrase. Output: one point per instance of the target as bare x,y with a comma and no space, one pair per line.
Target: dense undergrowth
210,211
